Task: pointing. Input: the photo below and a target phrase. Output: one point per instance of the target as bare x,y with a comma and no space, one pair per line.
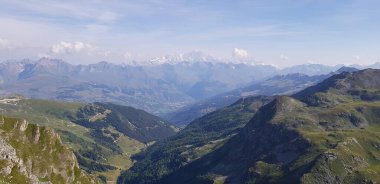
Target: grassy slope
54,114
351,154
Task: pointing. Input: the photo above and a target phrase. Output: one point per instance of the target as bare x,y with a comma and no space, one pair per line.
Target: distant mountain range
277,85
155,88
158,88
243,130
326,133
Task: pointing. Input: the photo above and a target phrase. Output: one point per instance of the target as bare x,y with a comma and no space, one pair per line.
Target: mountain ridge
291,140
157,89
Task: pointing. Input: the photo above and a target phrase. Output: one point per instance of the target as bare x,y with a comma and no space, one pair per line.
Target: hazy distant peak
51,62
290,75
311,69
102,63
346,69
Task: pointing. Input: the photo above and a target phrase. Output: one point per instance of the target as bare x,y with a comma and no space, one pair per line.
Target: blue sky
280,32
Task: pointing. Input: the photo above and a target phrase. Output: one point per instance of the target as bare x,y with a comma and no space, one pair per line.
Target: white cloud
71,47
78,49
240,54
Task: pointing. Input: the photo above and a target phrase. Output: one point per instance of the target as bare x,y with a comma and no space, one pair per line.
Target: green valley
102,136
201,137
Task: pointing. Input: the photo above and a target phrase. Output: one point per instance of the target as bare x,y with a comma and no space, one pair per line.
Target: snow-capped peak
191,57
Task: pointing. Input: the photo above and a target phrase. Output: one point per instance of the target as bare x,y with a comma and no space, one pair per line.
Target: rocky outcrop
35,154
